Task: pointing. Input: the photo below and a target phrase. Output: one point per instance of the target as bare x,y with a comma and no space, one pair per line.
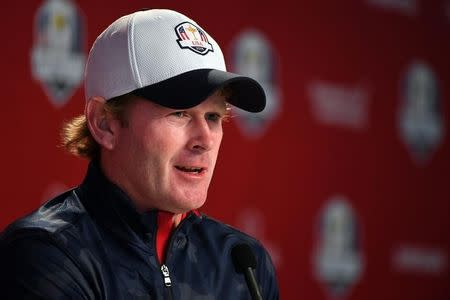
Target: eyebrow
222,106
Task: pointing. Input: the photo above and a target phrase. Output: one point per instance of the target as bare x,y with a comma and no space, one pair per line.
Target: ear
102,125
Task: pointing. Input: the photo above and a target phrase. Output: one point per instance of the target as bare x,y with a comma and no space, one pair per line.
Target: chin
189,203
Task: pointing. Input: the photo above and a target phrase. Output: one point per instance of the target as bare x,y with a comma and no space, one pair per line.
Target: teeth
190,169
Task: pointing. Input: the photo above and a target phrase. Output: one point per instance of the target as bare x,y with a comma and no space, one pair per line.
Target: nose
201,136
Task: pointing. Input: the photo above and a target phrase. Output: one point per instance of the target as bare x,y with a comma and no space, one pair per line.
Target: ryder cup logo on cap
192,37
167,58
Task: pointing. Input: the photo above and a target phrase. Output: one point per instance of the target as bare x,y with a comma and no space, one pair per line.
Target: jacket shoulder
225,237
54,216
36,262
223,230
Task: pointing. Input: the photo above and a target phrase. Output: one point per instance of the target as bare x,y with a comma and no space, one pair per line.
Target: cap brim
191,88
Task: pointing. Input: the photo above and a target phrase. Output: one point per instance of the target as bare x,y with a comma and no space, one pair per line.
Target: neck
110,171
176,218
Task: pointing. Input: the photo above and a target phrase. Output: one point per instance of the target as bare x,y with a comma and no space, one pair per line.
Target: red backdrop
342,179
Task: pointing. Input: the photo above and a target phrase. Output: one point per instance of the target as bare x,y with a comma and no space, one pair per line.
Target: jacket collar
114,209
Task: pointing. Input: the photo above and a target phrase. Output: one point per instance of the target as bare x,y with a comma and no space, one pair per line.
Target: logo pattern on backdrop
337,257
339,105
57,57
407,7
253,56
420,117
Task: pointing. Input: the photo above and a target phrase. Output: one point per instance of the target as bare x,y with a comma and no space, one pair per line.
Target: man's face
165,158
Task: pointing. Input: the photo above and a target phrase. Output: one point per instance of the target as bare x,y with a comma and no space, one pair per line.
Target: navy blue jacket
91,243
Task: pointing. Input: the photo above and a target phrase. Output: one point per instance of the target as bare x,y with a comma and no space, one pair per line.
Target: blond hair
76,136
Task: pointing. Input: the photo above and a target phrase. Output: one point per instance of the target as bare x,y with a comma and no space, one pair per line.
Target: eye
179,117
179,114
213,117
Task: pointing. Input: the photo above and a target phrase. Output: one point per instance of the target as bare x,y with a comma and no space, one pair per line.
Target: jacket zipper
164,269
166,275
167,281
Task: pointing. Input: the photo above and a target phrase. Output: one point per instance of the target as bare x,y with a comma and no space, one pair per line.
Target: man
156,94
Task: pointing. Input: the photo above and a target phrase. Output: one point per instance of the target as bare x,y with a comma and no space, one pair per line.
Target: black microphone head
243,257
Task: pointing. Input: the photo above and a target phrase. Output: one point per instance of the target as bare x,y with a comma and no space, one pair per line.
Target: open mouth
192,170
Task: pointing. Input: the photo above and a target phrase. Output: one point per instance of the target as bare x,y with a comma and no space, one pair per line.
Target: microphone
244,262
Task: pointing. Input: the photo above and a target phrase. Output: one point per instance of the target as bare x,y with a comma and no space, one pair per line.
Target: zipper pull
166,275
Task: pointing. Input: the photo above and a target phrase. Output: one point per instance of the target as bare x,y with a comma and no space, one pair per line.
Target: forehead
215,102
144,109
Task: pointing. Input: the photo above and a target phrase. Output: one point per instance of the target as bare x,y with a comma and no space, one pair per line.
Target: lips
191,169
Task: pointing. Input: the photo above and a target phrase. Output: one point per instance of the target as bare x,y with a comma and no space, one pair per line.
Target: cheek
160,142
157,148
214,153
218,141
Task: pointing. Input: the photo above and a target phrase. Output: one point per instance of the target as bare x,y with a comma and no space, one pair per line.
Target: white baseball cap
164,56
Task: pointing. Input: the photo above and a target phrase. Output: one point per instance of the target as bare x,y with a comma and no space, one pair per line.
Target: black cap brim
191,88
